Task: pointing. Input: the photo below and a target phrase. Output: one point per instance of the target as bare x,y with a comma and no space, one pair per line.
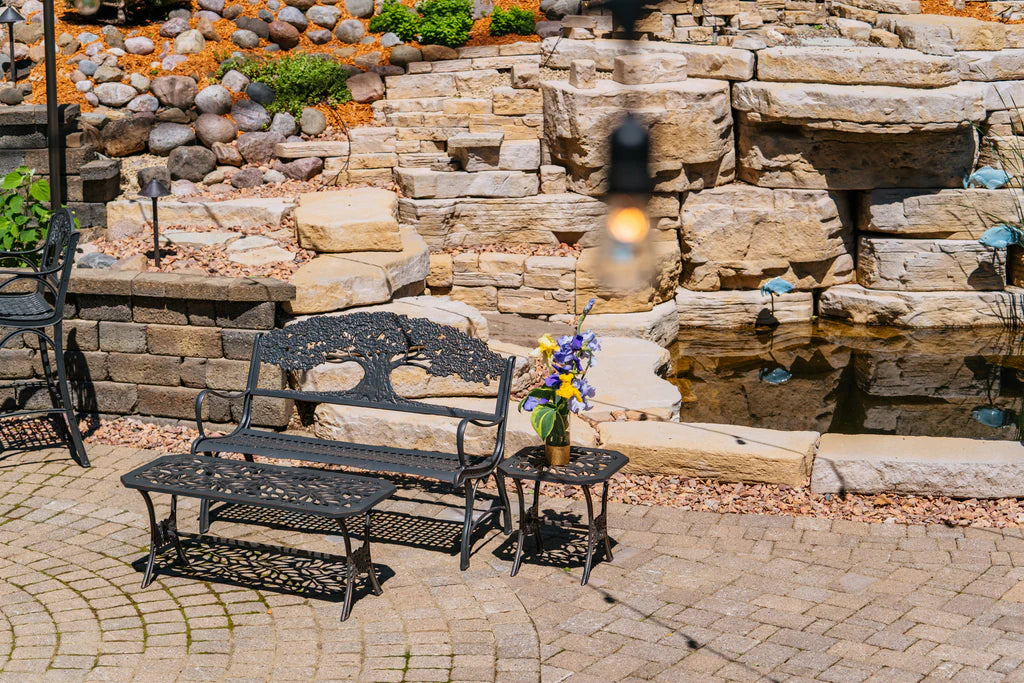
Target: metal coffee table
587,467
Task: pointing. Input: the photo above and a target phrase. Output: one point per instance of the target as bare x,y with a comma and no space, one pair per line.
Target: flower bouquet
565,390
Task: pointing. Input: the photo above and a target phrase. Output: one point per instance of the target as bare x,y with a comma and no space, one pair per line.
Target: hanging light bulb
627,261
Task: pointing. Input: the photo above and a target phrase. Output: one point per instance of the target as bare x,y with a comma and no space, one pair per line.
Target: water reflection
830,377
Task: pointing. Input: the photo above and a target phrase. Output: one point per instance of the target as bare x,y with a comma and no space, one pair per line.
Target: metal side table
587,467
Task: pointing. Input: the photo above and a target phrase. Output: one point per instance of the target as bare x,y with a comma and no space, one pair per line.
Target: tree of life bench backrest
379,343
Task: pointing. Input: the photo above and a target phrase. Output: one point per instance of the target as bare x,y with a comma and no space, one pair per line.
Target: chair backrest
61,240
379,343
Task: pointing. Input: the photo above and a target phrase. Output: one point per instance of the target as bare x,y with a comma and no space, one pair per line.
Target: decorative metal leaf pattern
586,466
321,492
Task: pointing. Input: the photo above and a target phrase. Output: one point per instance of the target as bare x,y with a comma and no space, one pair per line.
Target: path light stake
155,189
11,17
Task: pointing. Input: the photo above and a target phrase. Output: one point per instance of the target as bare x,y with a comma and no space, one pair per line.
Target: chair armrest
201,398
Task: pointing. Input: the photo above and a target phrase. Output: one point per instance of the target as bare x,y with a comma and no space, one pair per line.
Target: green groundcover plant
438,22
398,19
515,20
298,80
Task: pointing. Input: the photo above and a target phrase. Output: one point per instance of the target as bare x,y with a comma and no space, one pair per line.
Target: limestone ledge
702,61
856,304
178,286
860,66
232,213
729,309
940,213
917,465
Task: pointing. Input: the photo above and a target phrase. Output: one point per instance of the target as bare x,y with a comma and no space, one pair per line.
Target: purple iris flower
589,306
552,381
577,342
532,402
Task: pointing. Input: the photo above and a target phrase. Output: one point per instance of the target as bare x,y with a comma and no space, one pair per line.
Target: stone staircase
363,256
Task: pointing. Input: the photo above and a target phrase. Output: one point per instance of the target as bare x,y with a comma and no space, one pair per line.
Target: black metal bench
323,493
379,343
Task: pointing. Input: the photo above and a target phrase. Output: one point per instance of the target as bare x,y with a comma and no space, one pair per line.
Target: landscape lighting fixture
11,16
155,189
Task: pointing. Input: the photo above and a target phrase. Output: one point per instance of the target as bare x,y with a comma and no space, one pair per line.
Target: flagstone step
857,304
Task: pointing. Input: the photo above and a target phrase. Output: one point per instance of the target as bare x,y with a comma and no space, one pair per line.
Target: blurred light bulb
626,259
628,224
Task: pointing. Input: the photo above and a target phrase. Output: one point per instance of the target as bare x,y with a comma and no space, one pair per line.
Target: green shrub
298,81
515,20
445,22
24,210
397,18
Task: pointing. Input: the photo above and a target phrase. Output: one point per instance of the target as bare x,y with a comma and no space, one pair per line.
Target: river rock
191,163
175,91
212,5
250,116
366,87
313,122
214,99
258,148
360,8
139,45
114,94
402,55
284,124
189,43
260,93
739,236
143,103
173,27
212,129
296,18
227,154
325,16
247,40
247,178
257,26
107,74
350,31
168,136
284,34
303,169
113,37
235,81
320,36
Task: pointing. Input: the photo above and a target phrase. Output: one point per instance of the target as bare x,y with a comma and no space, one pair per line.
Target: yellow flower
567,390
547,345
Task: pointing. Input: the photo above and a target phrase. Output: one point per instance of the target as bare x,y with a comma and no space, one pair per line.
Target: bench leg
160,534
467,529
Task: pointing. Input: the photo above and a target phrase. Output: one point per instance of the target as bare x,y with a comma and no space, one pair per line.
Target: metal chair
37,303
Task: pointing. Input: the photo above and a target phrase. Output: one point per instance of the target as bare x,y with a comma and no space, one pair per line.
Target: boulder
427,183
175,91
739,236
313,122
191,163
139,45
919,466
366,87
320,36
401,55
212,129
856,304
693,141
925,265
255,25
247,40
360,8
190,42
214,99
363,219
295,17
350,31
856,66
143,103
258,148
324,15
127,136
169,136
284,124
235,81
227,154
250,116
174,27
247,178
260,93
303,169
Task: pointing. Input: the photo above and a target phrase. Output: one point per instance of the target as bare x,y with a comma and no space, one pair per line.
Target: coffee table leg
521,536
172,531
367,560
154,540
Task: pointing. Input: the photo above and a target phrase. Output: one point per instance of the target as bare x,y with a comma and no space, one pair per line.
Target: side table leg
592,534
534,517
521,535
172,531
154,540
603,523
363,554
350,571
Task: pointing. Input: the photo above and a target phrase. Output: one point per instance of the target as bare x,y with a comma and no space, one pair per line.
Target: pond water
829,377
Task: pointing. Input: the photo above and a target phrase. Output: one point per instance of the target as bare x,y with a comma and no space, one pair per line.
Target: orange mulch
974,10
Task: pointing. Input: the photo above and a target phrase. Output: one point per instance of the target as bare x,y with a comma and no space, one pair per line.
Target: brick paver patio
690,597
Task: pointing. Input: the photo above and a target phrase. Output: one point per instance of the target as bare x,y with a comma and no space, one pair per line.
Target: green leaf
15,203
543,419
40,190
11,181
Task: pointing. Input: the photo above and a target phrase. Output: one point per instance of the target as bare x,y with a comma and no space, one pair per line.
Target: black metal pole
54,136
156,236
10,36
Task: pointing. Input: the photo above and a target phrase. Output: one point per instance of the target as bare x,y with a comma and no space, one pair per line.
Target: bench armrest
246,411
499,442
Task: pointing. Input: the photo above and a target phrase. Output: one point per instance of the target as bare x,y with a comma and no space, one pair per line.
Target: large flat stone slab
728,309
944,35
947,213
228,215
362,219
856,304
857,66
876,106
1005,65
919,465
926,265
713,451
626,378
702,61
739,236
424,183
469,222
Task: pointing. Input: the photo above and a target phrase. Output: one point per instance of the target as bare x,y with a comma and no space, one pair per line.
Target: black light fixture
155,189
11,16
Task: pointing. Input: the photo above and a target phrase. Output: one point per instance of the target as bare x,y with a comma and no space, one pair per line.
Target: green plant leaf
543,419
40,190
11,181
